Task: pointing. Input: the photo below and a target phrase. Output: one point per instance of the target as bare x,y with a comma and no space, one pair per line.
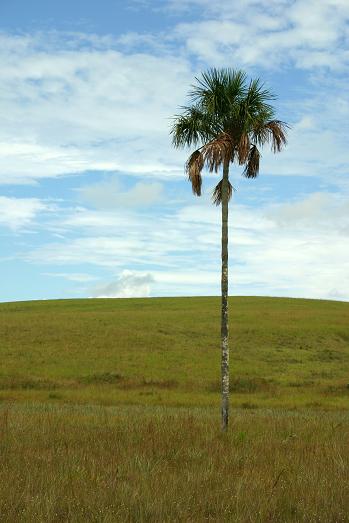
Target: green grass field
109,412
285,353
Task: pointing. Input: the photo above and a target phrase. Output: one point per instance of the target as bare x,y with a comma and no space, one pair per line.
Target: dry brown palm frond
218,150
243,148
277,130
252,166
273,132
217,193
193,168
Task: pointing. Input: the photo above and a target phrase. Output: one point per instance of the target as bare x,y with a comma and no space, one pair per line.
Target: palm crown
228,120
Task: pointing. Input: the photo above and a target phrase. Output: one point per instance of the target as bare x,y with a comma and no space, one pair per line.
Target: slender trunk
224,287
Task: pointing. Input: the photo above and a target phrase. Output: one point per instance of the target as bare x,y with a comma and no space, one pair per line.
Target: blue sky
93,198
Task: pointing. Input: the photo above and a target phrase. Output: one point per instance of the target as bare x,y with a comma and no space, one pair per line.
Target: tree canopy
228,119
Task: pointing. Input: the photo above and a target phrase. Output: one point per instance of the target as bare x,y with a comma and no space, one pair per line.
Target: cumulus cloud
130,284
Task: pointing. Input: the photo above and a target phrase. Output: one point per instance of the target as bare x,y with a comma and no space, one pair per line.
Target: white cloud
67,109
111,195
17,213
23,162
308,34
130,284
296,249
71,103
327,211
74,102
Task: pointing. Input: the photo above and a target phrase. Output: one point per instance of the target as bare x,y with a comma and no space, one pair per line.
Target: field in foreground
162,464
285,353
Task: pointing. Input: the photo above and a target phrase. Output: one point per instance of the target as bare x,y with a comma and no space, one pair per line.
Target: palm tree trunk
224,287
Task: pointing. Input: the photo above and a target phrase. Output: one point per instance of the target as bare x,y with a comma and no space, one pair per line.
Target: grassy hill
74,449
287,353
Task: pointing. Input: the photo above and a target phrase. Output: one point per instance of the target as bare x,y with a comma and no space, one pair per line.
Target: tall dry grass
134,464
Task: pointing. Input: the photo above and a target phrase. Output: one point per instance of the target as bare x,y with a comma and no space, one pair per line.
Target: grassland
160,464
285,353
109,412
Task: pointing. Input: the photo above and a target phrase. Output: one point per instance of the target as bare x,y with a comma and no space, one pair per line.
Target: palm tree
227,120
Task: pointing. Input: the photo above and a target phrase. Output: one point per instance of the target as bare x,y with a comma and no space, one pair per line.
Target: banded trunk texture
224,287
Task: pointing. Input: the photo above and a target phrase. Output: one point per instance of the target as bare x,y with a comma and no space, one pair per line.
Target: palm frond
193,127
217,193
271,131
243,148
278,134
216,151
217,91
254,107
252,165
258,98
193,168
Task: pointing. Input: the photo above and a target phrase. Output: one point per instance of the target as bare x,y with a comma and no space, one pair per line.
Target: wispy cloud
110,194
74,103
71,276
67,109
269,34
17,213
298,248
